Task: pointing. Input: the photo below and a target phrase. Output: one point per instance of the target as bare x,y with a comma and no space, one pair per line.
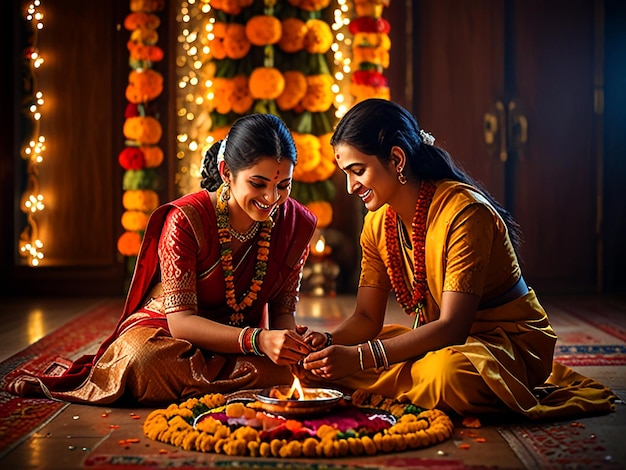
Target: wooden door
532,61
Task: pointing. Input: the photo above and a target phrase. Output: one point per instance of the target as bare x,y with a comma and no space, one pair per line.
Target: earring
225,195
401,177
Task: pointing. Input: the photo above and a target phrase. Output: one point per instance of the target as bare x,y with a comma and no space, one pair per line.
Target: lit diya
286,400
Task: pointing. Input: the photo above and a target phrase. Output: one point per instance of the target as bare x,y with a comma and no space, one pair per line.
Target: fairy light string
33,149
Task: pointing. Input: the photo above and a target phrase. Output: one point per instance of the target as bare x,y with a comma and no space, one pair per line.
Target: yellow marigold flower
262,30
254,448
265,449
189,442
369,8
292,450
363,92
370,55
144,200
236,42
310,5
309,447
276,445
293,34
368,445
235,410
326,432
341,447
266,83
356,446
328,448
318,38
380,40
295,89
235,447
319,94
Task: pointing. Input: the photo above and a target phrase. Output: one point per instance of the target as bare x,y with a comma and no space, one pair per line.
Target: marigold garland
226,256
411,303
413,429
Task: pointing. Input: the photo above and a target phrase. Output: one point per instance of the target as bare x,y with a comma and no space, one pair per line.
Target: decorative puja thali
306,401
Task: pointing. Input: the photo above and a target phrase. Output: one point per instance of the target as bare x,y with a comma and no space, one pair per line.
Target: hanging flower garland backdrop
142,129
291,58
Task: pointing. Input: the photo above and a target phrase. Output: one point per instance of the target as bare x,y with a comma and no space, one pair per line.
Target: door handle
494,130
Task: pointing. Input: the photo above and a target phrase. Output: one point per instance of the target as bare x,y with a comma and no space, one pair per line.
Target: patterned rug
20,417
589,335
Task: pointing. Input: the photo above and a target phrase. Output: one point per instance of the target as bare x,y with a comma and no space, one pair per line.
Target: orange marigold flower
236,42
318,38
310,5
295,89
309,156
262,30
129,243
293,33
216,44
241,98
319,94
134,221
223,92
266,83
153,155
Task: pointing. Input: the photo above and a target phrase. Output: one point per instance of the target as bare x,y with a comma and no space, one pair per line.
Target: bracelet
245,343
255,342
360,349
374,358
383,353
329,339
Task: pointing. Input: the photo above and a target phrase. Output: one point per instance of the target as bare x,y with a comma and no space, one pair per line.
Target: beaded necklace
226,256
413,304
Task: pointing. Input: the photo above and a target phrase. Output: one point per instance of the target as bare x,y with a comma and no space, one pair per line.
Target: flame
320,245
296,387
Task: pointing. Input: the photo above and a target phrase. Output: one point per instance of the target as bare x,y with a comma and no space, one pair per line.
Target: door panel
539,56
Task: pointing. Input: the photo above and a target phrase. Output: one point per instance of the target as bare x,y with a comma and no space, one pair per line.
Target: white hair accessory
220,152
427,137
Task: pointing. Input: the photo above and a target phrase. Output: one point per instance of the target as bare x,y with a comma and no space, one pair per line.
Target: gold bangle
360,349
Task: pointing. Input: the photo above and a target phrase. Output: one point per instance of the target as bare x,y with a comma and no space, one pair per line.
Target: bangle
360,349
329,339
240,339
383,353
373,351
255,342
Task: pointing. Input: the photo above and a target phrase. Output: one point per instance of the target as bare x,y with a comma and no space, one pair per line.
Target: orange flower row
234,40
291,90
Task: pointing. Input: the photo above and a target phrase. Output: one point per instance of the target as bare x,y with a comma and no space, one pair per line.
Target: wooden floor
27,320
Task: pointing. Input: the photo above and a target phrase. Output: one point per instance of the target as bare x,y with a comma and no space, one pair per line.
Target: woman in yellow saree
213,297
481,341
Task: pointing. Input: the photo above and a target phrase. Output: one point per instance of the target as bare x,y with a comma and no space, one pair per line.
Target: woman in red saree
212,300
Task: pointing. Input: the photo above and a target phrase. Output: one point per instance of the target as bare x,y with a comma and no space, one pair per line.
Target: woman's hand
332,363
283,347
315,339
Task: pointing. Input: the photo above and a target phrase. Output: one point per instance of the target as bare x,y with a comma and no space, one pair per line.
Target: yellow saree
509,352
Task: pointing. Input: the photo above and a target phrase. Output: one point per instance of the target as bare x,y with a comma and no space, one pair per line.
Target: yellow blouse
467,247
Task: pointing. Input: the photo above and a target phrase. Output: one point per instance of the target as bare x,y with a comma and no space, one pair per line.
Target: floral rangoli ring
363,424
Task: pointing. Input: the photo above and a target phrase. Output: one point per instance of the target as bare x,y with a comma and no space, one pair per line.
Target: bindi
277,174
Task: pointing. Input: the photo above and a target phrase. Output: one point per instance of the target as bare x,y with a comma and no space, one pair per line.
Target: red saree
142,334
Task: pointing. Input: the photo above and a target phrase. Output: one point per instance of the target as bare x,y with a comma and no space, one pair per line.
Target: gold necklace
247,235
